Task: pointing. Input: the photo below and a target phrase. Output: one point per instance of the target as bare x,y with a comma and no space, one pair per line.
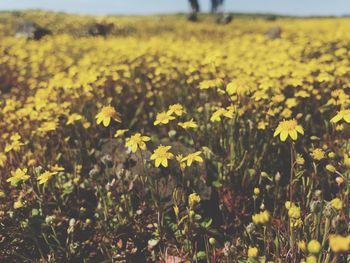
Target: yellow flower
48,126
15,144
106,114
17,176
302,245
188,124
193,200
294,212
161,155
339,244
300,160
45,176
177,109
189,159
342,115
216,116
314,247
256,191
318,154
288,128
346,160
262,125
73,118
120,132
18,204
261,218
137,141
337,203
163,118
3,159
311,259
56,168
253,252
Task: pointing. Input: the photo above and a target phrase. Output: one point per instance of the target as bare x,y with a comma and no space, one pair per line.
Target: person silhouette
215,5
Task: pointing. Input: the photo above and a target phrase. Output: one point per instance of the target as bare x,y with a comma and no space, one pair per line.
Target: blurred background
149,7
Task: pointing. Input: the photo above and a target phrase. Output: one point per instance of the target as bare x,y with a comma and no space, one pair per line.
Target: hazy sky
296,7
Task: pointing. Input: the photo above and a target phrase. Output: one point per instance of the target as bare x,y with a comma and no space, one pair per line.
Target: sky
148,7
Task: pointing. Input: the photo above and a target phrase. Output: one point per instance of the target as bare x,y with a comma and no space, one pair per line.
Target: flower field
171,141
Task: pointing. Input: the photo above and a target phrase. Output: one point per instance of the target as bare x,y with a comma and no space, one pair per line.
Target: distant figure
195,8
215,5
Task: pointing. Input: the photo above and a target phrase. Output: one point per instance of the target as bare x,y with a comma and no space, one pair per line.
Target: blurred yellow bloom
311,259
253,252
18,204
346,160
73,118
261,218
318,154
314,247
302,245
339,244
193,157
15,144
288,128
3,159
45,176
193,200
163,118
188,124
137,141
161,155
177,109
120,132
294,212
17,176
106,114
337,203
342,115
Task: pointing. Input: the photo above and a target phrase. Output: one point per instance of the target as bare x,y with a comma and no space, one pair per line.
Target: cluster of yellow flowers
242,105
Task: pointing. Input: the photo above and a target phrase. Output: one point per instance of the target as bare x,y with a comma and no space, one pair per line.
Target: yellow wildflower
177,109
288,128
163,118
73,118
189,159
339,244
161,155
337,203
294,212
137,141
193,200
45,176
314,247
15,144
17,176
3,159
253,252
120,132
261,218
188,124
18,204
318,154
106,114
342,115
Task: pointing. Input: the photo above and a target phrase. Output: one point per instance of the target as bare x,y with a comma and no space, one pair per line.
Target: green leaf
217,184
200,255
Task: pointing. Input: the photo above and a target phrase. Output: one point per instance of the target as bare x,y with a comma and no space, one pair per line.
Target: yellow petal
293,134
283,135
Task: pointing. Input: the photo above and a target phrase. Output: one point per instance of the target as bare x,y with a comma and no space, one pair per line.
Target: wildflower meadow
166,140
